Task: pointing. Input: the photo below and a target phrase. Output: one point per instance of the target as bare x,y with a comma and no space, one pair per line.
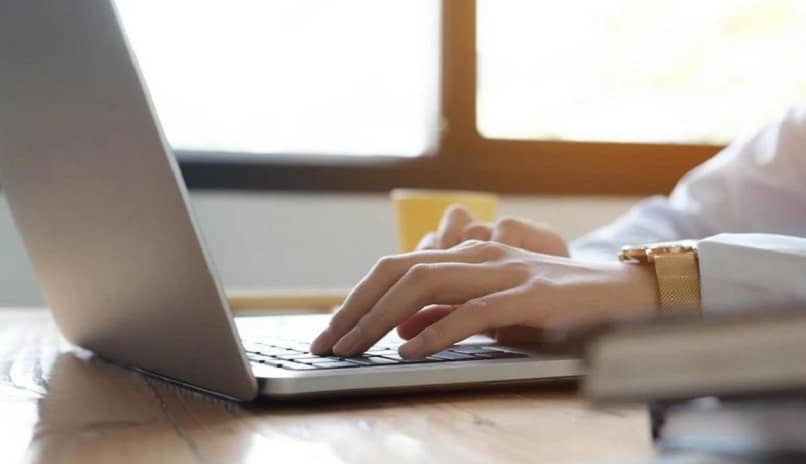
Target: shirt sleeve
753,186
751,271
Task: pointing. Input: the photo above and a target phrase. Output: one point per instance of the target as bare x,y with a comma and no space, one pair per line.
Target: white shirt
748,207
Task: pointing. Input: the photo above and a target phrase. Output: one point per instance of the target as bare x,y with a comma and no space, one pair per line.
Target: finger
529,235
423,285
509,231
477,231
428,242
412,326
427,316
502,309
453,223
377,283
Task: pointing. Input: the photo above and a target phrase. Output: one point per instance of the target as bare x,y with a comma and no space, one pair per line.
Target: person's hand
458,225
484,286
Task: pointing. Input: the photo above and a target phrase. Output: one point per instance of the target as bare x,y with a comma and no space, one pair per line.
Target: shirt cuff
749,272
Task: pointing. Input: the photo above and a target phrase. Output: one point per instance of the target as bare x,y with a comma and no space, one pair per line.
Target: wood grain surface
59,404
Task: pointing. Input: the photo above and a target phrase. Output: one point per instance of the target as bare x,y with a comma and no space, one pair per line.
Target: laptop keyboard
296,357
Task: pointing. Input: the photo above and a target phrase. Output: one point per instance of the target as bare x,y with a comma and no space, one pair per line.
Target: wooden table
60,404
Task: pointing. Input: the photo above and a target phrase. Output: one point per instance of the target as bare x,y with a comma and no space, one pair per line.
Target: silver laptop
98,199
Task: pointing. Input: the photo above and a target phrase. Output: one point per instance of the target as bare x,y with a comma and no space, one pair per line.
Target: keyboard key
252,346
398,358
334,364
307,358
296,344
273,351
381,352
471,349
297,366
355,359
378,360
262,347
380,349
294,355
383,347
264,360
372,360
500,354
451,356
258,357
322,359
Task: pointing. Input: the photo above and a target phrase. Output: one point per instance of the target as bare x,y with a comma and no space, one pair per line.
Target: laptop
99,201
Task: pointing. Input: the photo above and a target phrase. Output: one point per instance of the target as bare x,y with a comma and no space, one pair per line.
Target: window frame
463,158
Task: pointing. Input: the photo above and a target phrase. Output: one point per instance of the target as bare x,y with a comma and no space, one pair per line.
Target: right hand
439,297
458,226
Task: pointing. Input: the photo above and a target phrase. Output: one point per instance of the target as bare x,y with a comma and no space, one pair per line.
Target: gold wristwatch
676,268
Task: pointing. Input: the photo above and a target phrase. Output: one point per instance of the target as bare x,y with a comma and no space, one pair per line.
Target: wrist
641,293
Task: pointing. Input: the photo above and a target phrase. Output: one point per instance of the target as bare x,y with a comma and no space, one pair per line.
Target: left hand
487,286
457,226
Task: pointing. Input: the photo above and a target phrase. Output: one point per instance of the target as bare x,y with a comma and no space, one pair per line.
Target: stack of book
720,390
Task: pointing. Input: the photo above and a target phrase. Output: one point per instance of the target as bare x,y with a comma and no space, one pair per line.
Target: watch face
646,253
682,246
633,254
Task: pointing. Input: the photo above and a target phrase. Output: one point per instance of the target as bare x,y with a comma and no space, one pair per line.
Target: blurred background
293,119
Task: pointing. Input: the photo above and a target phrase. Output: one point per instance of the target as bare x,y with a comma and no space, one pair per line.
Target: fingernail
412,348
348,343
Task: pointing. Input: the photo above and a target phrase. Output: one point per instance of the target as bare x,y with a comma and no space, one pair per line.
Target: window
519,96
683,71
353,77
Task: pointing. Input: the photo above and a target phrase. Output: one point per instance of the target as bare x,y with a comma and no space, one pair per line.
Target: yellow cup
420,211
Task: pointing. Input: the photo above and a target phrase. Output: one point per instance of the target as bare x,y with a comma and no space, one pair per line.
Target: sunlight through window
354,77
637,71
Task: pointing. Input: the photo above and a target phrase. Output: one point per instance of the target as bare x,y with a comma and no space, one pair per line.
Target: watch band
678,281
